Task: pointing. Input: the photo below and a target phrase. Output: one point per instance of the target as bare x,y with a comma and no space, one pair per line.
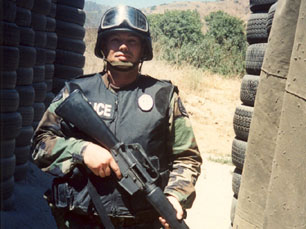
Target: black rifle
138,172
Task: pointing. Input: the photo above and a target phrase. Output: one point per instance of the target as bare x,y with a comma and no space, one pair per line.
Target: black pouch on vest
71,192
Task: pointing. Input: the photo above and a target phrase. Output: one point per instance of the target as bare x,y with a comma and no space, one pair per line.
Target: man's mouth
123,55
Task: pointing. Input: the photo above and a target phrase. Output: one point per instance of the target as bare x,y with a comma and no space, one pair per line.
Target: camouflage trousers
66,219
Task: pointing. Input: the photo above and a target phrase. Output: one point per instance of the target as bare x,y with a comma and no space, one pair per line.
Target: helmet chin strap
121,65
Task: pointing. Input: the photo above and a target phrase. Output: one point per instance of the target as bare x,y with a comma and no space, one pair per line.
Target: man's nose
123,46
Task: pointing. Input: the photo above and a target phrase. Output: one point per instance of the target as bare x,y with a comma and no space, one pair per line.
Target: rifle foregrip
162,205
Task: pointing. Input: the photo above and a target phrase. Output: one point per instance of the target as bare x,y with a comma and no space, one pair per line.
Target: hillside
93,11
237,8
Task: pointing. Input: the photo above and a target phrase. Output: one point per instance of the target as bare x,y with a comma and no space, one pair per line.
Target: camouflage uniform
58,155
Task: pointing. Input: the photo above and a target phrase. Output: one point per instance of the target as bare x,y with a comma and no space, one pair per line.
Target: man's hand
100,161
179,211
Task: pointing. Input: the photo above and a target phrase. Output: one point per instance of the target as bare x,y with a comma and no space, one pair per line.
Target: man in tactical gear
137,109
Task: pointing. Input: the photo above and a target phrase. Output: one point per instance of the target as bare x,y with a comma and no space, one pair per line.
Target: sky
140,3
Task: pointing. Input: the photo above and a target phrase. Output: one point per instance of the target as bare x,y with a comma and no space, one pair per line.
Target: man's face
123,46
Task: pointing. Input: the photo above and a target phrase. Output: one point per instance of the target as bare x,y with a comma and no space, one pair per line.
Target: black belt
145,217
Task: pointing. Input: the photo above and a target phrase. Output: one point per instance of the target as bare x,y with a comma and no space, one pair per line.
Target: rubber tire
25,76
76,15
254,58
39,21
9,58
27,4
75,3
70,58
261,5
10,125
7,166
8,79
256,30
73,45
66,72
242,121
236,181
9,34
248,89
27,36
39,109
9,100
7,148
49,71
27,56
50,56
23,17
51,24
39,73
24,137
40,56
9,14
26,95
40,91
52,12
42,7
40,39
238,152
51,40
49,84
69,30
22,154
271,17
27,114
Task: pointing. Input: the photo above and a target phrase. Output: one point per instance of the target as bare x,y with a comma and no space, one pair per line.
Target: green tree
178,38
225,28
176,27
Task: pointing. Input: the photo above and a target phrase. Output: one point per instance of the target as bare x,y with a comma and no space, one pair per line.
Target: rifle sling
100,209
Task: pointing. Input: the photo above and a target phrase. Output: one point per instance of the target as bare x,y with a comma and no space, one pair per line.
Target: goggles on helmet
116,16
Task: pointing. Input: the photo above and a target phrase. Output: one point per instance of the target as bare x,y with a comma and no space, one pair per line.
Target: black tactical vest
138,113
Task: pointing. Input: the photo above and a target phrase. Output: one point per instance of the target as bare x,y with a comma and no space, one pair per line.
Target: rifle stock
137,175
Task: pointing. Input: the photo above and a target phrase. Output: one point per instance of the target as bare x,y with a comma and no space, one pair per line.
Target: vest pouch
60,196
71,192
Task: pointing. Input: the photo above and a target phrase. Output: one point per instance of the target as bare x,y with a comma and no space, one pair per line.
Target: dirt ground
211,106
211,209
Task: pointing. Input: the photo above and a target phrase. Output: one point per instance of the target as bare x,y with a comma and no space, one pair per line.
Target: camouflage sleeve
185,156
53,152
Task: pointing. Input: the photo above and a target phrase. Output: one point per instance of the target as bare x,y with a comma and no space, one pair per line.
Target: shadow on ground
30,208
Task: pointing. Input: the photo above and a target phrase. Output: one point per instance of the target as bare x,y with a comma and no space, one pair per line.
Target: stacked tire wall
51,45
28,55
70,32
257,31
40,11
10,119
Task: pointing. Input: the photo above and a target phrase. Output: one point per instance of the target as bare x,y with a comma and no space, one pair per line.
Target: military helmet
124,18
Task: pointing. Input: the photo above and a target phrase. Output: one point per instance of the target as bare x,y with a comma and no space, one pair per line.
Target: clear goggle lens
116,16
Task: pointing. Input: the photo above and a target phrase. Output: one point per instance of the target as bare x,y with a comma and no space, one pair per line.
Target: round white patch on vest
145,102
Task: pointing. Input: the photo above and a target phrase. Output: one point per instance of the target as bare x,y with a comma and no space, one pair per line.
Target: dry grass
210,99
